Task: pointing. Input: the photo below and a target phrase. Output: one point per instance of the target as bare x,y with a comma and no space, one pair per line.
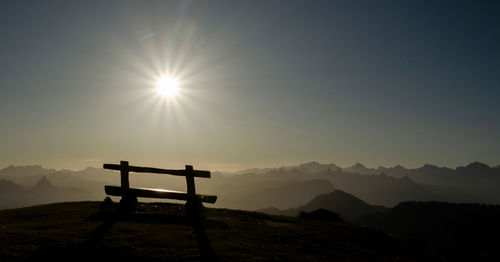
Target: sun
167,86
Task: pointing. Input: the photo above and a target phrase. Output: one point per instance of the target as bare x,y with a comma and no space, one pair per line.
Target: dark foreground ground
161,232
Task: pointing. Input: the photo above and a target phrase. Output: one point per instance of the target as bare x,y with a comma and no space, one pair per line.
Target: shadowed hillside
58,232
347,205
467,232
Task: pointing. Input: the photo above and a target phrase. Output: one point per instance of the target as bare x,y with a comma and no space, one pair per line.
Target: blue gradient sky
263,83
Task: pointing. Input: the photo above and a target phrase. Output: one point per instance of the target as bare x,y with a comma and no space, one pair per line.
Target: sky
261,83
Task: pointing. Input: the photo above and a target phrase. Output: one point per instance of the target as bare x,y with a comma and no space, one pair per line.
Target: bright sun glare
167,86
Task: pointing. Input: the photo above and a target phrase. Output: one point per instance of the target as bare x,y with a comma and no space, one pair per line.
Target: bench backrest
188,172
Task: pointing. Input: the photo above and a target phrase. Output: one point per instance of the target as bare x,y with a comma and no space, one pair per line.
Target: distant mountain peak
429,166
361,169
399,167
28,170
26,166
43,183
6,182
348,205
477,165
315,167
312,163
90,168
9,189
358,165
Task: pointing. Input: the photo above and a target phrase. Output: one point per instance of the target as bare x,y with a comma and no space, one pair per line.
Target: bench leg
194,211
194,207
128,203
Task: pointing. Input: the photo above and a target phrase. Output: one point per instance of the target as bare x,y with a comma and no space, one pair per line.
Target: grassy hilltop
60,231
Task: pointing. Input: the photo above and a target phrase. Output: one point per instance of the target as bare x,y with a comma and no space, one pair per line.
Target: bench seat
157,193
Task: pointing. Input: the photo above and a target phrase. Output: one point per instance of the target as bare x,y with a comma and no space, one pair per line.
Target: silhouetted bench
129,195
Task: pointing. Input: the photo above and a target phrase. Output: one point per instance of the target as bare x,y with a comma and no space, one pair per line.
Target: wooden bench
129,195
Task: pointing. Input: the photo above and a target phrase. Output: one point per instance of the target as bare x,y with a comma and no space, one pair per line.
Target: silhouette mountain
315,167
43,192
43,185
388,191
375,189
338,201
345,204
11,194
397,169
9,187
309,167
476,180
359,168
286,196
381,186
478,169
22,171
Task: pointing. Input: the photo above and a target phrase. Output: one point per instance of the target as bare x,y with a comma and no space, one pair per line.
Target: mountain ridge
38,169
13,195
347,205
381,186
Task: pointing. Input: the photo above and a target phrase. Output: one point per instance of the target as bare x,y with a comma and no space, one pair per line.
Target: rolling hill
347,205
61,232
